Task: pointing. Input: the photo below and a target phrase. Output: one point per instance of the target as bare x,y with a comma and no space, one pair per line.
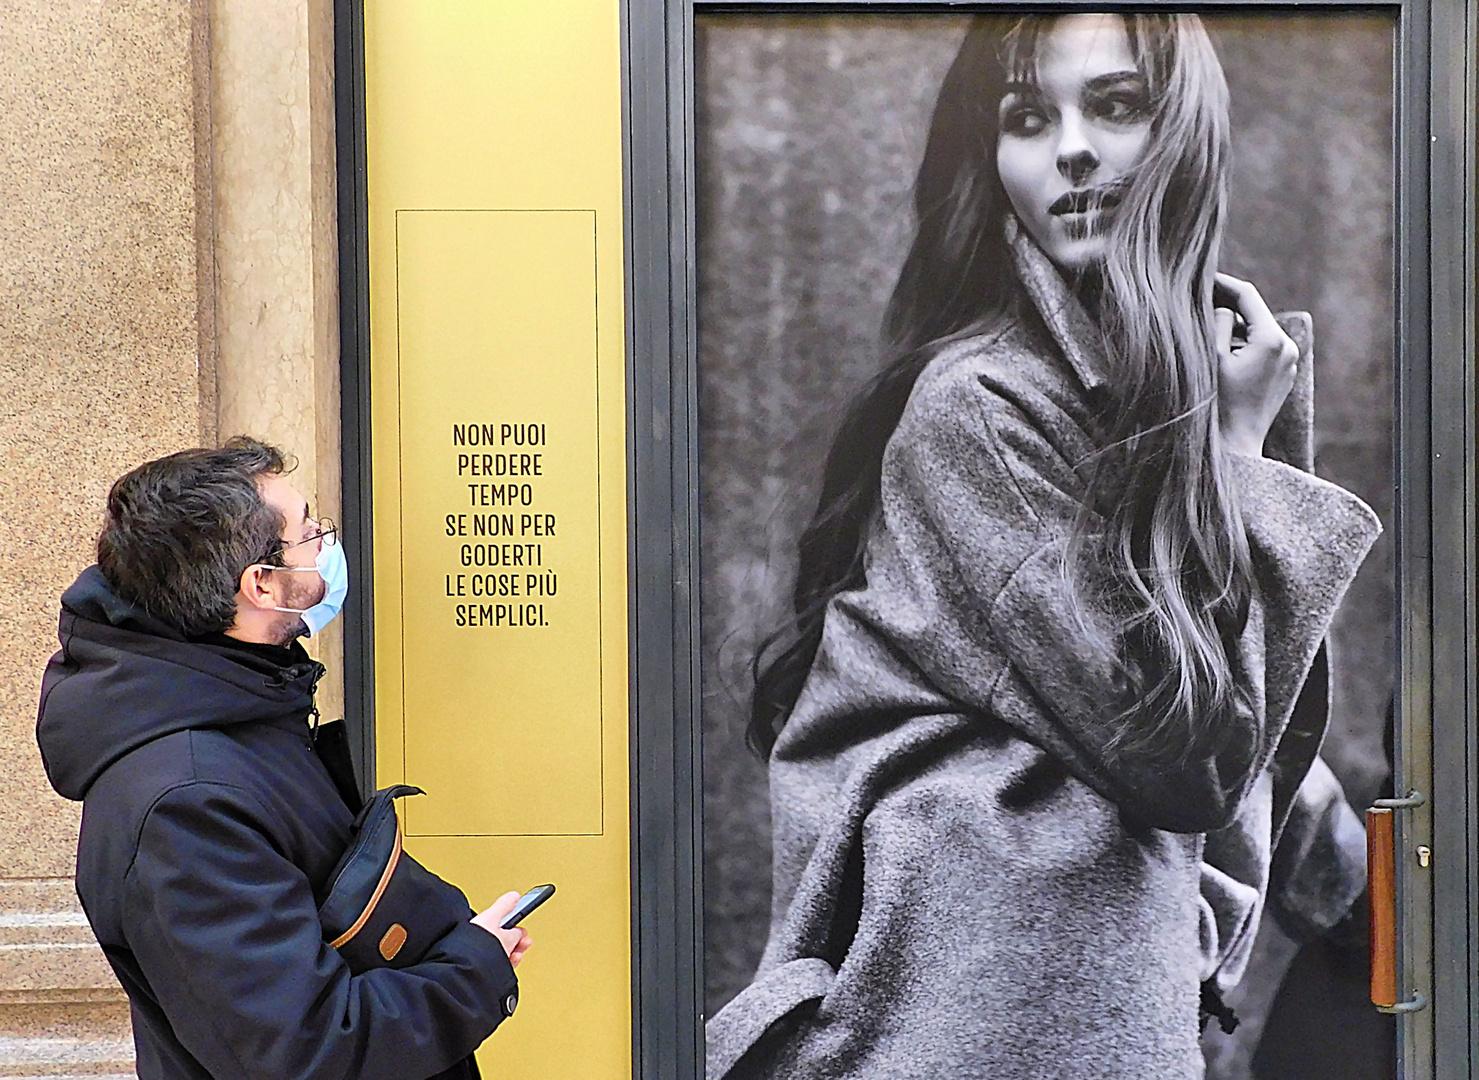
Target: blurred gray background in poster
809,132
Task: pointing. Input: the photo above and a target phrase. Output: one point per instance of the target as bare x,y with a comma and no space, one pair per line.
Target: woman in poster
1053,693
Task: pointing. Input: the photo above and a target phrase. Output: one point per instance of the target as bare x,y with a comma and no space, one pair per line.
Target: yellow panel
494,139
574,1017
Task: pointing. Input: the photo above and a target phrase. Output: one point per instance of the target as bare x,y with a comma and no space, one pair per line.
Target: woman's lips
1082,200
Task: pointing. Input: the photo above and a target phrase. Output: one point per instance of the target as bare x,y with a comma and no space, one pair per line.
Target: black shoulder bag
383,908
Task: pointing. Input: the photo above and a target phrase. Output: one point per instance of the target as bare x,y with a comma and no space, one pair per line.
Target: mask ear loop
298,569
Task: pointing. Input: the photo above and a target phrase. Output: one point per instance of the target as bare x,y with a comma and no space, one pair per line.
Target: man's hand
515,942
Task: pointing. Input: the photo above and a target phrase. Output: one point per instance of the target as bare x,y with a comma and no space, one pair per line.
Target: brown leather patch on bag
391,943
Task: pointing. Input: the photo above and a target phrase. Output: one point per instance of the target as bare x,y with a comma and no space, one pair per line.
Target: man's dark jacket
209,828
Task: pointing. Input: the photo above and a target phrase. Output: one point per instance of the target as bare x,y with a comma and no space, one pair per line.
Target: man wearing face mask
180,712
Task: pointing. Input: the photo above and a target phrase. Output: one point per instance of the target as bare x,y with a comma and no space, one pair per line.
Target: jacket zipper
318,673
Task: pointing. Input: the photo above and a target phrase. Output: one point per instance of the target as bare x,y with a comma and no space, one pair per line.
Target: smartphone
527,903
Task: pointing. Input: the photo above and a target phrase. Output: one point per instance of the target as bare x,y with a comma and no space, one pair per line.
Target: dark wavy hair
1160,540
183,528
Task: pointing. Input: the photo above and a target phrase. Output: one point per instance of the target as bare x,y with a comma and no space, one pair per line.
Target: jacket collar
123,679
1070,324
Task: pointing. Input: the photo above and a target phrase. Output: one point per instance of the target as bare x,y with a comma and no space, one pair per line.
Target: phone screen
527,903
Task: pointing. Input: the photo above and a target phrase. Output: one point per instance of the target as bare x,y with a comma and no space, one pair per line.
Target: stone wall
169,276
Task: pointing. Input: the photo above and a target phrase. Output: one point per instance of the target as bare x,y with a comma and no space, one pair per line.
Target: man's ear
252,587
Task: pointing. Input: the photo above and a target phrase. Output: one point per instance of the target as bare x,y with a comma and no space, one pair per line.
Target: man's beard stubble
301,595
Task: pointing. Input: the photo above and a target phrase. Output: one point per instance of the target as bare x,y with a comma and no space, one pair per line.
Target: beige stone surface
66,1041
169,273
114,347
50,956
104,323
276,248
99,326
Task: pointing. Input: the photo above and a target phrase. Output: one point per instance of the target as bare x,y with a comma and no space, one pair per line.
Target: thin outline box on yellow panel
501,694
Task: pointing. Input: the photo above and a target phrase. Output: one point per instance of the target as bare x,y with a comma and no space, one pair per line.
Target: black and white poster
1046,430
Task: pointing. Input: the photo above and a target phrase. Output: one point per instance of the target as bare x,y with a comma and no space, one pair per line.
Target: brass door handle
1381,881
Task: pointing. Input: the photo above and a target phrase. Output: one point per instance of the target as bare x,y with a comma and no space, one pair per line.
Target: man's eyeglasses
321,529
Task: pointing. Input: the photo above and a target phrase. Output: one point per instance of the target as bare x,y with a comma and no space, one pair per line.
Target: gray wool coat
967,882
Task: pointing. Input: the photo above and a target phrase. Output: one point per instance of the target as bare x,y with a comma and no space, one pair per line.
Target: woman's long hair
1160,540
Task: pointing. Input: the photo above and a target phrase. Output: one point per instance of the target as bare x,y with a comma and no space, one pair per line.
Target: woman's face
1069,140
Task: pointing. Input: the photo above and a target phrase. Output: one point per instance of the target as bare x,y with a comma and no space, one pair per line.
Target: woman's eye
1122,107
1023,120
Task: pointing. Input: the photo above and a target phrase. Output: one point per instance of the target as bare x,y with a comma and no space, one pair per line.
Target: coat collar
1070,324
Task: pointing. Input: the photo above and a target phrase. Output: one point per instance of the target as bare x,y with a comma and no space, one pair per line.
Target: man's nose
1077,158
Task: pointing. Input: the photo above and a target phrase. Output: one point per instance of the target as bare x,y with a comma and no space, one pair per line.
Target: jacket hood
123,678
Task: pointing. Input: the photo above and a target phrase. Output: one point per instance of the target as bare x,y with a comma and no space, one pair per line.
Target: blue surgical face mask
332,567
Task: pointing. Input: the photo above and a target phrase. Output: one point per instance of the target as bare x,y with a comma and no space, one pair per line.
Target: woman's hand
1256,375
515,942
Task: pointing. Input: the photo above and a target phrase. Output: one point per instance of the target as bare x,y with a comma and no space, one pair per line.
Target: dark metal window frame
1437,101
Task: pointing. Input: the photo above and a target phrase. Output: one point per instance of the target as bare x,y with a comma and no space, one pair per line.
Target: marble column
276,248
